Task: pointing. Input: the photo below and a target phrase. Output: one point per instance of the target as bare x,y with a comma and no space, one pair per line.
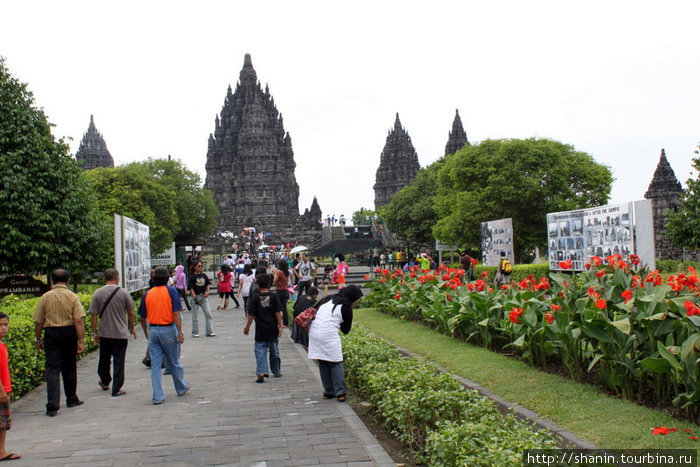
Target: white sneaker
211,334
195,335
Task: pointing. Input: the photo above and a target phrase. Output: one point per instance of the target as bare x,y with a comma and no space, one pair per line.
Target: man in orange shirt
160,317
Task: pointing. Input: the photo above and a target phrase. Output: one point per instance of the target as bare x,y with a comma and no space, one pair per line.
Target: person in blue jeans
266,311
198,289
159,314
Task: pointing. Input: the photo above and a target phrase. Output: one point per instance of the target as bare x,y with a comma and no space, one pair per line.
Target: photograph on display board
497,236
137,255
577,235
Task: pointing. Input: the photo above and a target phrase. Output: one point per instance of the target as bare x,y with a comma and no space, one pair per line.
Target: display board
600,231
497,236
132,253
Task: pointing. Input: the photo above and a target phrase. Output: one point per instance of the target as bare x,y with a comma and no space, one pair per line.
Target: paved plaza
225,419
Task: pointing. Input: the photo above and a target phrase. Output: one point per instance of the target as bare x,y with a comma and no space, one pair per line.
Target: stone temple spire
93,152
664,191
250,163
664,182
457,138
398,165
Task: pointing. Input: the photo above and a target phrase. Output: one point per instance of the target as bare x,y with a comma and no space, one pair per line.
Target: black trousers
303,288
283,296
61,349
112,350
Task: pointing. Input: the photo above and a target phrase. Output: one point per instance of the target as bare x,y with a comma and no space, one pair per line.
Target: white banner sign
132,253
497,237
164,259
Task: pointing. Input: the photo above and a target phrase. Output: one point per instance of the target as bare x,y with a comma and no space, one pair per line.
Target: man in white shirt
306,273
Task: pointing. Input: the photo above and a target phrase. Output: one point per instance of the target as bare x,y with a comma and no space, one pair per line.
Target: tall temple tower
398,165
458,137
92,152
250,162
664,191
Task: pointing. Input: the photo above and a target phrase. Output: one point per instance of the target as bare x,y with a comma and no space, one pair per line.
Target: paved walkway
226,418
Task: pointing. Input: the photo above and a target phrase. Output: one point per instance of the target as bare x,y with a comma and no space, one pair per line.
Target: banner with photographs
132,253
497,236
600,231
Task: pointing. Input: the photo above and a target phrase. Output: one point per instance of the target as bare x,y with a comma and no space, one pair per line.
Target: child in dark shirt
266,310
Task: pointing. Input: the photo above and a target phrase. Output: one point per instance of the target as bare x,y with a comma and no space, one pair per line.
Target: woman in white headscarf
334,312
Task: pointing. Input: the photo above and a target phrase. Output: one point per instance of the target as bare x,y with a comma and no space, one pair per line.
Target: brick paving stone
225,419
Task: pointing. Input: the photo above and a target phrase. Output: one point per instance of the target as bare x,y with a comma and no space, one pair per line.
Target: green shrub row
26,364
672,266
433,414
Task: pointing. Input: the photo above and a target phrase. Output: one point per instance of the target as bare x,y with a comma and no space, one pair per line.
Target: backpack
506,267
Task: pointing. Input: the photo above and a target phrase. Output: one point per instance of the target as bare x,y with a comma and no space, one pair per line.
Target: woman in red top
224,286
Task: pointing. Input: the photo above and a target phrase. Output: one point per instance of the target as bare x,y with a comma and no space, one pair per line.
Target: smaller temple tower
458,137
664,191
312,217
398,165
93,152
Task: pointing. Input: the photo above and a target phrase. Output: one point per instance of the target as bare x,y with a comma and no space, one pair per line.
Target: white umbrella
298,249
263,247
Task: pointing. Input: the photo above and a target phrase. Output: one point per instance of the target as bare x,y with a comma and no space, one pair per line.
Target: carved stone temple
664,192
457,138
398,165
92,152
250,164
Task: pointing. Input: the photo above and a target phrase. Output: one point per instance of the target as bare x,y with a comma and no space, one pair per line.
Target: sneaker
75,403
195,335
211,334
185,391
51,413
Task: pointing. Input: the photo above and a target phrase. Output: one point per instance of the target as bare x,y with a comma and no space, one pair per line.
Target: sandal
105,387
261,379
328,396
341,398
119,393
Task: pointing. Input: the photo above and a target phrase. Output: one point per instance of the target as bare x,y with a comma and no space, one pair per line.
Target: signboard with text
497,236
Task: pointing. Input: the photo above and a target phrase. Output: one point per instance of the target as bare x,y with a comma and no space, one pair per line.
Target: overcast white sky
617,79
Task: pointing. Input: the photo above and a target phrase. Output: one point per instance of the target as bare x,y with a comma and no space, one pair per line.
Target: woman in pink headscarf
181,284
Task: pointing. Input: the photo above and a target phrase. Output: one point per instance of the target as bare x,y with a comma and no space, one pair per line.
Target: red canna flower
485,274
474,261
627,295
592,293
597,260
366,277
565,264
555,307
549,316
587,266
673,430
398,295
600,273
634,259
694,438
654,277
660,430
515,314
448,297
691,308
688,430
601,304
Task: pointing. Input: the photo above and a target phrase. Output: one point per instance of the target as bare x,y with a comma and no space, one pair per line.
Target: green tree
520,179
160,193
362,216
196,210
683,226
411,214
49,216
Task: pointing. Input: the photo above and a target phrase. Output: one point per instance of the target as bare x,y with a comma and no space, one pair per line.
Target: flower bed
433,414
641,332
26,364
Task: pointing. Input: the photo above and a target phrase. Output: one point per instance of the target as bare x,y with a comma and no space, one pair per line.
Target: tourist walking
245,281
299,335
281,283
341,271
114,308
198,288
224,286
181,284
5,391
334,312
306,273
59,315
159,314
264,308
503,271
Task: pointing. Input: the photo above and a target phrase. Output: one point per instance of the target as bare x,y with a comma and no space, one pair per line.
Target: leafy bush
26,364
428,410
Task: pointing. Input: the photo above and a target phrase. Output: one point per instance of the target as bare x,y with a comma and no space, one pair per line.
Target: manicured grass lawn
583,409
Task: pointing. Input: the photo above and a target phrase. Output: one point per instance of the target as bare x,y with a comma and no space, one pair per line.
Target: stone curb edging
373,447
569,439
